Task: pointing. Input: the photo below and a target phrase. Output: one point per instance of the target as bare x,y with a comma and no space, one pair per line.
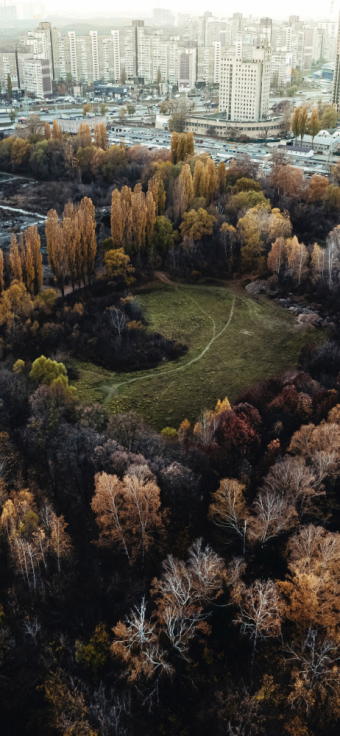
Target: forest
185,581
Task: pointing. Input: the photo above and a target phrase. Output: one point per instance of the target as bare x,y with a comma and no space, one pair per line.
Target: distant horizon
307,12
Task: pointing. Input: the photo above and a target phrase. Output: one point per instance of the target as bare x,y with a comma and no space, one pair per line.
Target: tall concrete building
109,57
205,64
36,77
91,58
281,69
187,60
162,17
26,73
336,79
44,43
245,84
11,63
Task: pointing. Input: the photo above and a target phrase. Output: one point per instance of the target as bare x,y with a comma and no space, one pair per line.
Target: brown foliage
128,513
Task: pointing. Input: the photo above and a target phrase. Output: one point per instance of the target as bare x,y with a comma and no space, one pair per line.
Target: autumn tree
272,515
331,199
316,188
300,121
100,136
237,431
72,240
173,147
184,192
251,244
14,259
209,181
56,249
315,674
228,509
190,144
297,259
15,302
88,241
126,195
329,117
276,256
287,180
136,238
84,135
227,238
137,645
312,586
47,131
182,147
221,177
48,372
320,447
291,478
1,271
26,539
128,513
117,224
318,262
156,187
118,264
30,260
196,224
314,123
57,132
150,218
87,108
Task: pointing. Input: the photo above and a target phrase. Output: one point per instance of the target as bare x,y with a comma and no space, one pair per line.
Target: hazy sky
307,10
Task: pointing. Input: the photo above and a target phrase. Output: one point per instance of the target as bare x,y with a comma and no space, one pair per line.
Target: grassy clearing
234,341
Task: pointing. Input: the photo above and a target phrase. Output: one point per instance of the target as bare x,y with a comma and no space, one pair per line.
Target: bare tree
229,510
315,670
110,712
273,516
117,319
137,645
332,255
260,611
291,479
32,628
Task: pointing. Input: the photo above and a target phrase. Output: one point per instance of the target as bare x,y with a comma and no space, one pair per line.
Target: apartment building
217,61
336,79
11,63
245,85
152,54
205,64
109,57
37,77
187,60
281,69
44,43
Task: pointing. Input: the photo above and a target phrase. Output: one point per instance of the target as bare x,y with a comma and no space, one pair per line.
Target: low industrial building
323,142
218,125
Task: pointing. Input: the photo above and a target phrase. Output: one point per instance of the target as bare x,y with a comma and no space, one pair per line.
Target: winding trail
111,390
22,212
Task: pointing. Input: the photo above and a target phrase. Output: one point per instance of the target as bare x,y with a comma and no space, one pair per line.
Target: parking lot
219,150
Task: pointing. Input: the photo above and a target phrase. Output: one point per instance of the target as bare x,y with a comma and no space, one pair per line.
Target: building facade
245,85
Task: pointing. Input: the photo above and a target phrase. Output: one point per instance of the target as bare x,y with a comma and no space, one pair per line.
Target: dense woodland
187,582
